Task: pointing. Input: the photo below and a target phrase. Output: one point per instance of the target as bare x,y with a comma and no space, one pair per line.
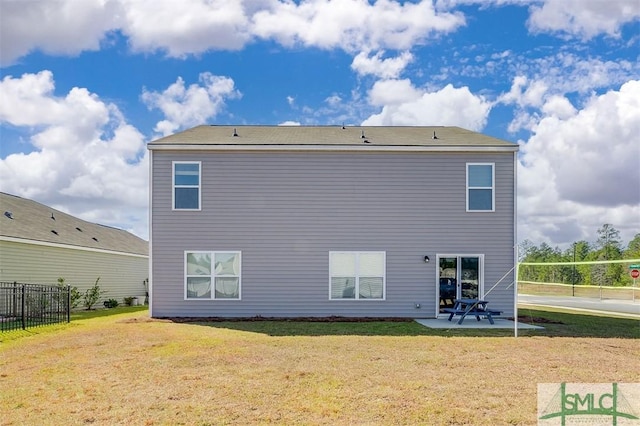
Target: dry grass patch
130,370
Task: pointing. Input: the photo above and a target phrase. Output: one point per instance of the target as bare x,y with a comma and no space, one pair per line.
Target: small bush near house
111,303
129,300
75,293
75,297
37,304
92,295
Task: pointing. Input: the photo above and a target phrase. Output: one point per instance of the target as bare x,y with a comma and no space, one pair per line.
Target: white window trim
212,276
174,186
357,288
492,187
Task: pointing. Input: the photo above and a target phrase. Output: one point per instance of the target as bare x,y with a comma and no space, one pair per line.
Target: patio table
473,307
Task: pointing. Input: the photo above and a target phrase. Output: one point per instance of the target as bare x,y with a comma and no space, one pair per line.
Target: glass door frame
458,284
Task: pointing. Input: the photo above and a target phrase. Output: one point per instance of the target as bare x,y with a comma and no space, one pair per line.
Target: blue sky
85,84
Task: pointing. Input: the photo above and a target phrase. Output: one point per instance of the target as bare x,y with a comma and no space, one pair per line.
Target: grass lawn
128,369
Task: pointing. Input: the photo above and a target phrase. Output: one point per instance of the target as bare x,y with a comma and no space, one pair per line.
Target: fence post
68,302
15,299
24,305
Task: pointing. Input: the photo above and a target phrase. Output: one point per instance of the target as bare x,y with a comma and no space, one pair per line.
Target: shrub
37,305
92,295
75,294
129,300
75,297
111,303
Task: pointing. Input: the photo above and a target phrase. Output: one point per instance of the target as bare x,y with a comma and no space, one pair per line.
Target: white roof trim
340,148
69,246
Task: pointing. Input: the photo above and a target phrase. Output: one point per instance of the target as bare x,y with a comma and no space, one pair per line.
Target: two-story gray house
325,221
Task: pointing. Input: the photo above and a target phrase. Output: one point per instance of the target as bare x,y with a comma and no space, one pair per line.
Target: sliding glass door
459,277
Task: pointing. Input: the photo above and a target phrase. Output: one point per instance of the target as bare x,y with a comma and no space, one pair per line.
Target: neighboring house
39,244
330,221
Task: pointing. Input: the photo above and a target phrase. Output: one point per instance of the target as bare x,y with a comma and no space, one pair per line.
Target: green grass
76,316
120,367
556,324
97,313
571,324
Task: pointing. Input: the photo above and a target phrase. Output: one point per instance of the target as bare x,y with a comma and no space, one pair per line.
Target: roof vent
79,230
53,217
9,215
94,239
362,136
434,135
53,231
235,132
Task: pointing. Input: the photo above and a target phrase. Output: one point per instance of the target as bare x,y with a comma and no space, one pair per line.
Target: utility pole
573,275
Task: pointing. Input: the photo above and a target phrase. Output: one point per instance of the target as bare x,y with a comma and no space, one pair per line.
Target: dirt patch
536,320
138,320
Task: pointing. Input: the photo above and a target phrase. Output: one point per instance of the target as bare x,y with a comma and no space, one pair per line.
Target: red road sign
634,273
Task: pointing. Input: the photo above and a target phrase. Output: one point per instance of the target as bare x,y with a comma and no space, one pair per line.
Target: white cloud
450,4
27,100
405,105
544,81
582,167
86,158
393,92
189,27
185,27
526,93
353,25
61,27
382,68
584,19
558,106
289,123
190,106
333,101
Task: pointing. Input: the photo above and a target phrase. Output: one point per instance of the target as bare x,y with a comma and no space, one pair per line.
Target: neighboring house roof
428,138
23,219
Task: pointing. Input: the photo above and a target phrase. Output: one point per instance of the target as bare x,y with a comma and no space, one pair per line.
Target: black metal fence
32,305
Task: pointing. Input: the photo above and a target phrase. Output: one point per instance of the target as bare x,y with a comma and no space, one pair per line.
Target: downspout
515,242
149,283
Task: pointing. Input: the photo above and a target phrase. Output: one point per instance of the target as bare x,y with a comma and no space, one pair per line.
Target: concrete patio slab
471,322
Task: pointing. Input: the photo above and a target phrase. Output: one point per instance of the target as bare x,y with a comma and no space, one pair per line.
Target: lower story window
212,275
357,275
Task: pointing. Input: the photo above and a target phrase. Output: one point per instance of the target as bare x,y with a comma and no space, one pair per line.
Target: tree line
608,246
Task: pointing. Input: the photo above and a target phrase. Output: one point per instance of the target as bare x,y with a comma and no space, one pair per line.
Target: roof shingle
375,136
29,220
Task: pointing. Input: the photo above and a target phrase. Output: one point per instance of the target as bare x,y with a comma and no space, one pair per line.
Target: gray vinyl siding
121,275
285,211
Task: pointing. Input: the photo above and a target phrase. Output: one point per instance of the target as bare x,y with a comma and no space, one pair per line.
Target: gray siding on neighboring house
286,210
39,244
121,274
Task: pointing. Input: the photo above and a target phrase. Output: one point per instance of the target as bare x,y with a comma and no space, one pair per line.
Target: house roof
431,138
23,219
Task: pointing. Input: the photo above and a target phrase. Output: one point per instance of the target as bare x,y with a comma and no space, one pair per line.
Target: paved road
584,303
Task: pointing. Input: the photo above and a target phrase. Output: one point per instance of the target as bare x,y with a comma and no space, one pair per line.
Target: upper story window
186,185
480,187
357,275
